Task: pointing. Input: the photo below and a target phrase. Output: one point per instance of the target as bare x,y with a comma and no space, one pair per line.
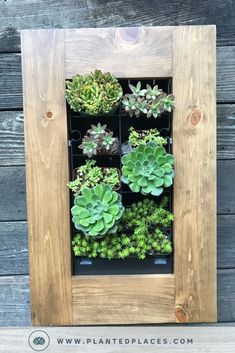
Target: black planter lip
111,112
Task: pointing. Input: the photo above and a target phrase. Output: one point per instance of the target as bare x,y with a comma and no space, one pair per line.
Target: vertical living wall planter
159,286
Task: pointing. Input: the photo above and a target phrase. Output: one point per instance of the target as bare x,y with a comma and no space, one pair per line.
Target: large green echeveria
148,169
97,211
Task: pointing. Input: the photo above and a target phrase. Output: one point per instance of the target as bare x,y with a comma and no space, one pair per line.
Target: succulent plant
148,169
90,175
89,146
149,101
137,137
97,130
97,211
94,93
99,139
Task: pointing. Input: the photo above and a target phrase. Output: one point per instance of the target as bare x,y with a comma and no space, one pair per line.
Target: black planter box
119,123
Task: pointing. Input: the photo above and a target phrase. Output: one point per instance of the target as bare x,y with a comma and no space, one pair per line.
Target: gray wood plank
226,295
11,80
226,74
226,131
14,301
226,186
12,135
12,191
16,15
13,248
11,138
225,241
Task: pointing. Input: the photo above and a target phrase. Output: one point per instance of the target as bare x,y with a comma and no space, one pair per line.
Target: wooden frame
187,54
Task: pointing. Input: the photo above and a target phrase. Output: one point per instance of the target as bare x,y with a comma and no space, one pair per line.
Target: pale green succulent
148,169
97,211
94,93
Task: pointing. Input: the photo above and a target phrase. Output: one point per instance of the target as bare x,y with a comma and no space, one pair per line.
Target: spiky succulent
150,101
97,130
94,93
99,139
89,146
148,169
97,211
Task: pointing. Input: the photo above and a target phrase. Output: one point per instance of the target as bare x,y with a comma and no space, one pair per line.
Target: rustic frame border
187,54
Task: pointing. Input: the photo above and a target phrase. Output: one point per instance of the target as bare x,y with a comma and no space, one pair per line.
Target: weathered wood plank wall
16,15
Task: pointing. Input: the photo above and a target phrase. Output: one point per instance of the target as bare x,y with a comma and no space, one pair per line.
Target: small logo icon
39,340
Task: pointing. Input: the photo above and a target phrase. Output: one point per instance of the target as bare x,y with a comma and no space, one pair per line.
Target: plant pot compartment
120,123
74,174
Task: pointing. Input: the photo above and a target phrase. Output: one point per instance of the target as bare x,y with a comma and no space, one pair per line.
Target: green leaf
135,187
158,182
170,159
107,216
157,191
149,188
114,210
167,181
107,197
143,181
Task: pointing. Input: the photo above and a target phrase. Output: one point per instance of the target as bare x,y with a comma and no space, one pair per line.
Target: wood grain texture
47,175
226,187
226,131
14,301
12,188
12,136
103,47
226,76
15,305
17,15
226,295
12,97
194,134
226,253
123,299
13,248
12,191
10,81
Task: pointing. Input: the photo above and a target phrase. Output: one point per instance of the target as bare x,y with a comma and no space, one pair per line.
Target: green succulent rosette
148,169
97,211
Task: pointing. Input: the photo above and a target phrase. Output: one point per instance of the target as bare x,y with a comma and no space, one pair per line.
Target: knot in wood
195,117
181,315
129,34
49,115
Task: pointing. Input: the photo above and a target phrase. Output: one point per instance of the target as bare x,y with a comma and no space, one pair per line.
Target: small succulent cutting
137,137
150,101
99,139
148,169
97,211
94,93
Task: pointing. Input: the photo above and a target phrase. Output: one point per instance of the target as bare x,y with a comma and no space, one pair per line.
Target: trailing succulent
94,93
99,139
148,169
150,101
142,241
97,211
137,137
90,175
